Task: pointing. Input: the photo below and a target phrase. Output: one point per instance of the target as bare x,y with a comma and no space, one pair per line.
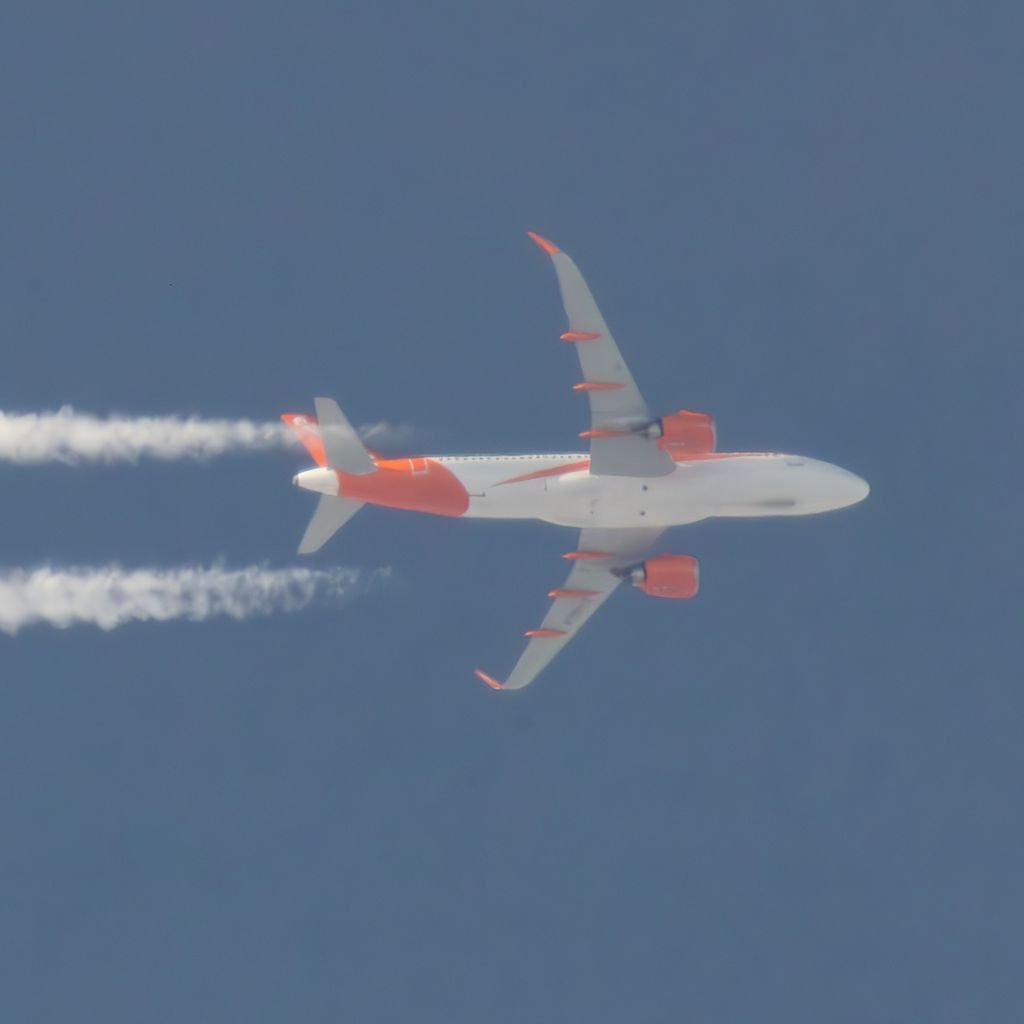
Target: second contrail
109,596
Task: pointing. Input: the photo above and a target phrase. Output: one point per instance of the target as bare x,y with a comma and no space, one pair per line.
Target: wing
617,409
590,583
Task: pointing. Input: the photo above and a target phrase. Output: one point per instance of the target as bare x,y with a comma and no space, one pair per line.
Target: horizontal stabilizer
330,516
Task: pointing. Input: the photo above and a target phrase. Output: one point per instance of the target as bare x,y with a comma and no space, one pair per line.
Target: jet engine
667,576
685,431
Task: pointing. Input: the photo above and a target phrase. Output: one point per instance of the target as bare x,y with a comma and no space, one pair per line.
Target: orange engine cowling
686,431
668,576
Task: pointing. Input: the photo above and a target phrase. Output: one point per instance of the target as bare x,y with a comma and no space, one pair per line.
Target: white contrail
383,432
69,436
111,596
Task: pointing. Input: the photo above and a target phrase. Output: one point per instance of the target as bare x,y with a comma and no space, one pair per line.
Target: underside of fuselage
560,488
740,485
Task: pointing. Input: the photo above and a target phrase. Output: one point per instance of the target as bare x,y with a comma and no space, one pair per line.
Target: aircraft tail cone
333,445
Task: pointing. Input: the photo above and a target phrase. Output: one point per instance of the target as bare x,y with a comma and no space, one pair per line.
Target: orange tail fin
307,431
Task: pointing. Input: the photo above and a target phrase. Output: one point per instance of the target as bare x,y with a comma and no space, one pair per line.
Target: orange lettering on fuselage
418,485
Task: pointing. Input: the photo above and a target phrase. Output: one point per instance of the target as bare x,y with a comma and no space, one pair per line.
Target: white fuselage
746,485
560,488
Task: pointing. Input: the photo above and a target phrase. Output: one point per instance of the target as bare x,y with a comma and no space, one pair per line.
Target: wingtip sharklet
549,247
489,680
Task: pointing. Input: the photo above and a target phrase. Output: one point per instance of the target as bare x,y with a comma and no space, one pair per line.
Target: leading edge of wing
619,415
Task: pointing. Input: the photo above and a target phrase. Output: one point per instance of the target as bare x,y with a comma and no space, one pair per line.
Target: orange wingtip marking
489,680
579,336
548,247
596,385
573,593
546,633
586,556
604,433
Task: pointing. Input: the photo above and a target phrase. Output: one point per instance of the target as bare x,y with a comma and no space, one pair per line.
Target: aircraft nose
855,488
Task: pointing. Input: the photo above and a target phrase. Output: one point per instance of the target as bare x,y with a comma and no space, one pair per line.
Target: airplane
642,475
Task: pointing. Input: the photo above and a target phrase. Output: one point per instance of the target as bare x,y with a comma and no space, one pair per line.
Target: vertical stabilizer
342,448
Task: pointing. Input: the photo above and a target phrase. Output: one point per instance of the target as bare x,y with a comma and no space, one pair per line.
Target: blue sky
796,797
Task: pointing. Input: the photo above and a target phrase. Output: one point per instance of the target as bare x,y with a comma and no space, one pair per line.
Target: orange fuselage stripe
539,474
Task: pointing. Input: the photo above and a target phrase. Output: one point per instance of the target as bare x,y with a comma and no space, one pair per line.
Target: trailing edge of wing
617,408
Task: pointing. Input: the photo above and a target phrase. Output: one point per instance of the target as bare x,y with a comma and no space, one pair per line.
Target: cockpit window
794,462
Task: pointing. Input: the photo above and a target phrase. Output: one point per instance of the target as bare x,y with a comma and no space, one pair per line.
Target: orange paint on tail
307,431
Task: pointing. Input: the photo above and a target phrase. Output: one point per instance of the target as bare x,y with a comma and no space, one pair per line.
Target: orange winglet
573,593
596,385
579,336
548,247
605,433
586,556
547,633
489,680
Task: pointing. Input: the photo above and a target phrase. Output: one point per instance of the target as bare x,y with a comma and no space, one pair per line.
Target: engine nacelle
686,432
668,576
